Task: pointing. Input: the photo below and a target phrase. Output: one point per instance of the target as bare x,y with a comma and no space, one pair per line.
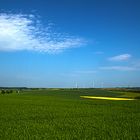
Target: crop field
61,114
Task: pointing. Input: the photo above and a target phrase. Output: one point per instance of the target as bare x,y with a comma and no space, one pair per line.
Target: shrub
10,91
2,91
6,91
138,97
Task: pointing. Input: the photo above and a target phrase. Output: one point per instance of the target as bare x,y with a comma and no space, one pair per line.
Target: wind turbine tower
102,85
76,85
93,84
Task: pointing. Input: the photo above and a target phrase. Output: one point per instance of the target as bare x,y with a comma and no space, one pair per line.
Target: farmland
60,114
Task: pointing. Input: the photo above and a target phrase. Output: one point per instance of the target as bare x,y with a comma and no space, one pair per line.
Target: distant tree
17,91
2,91
7,91
138,97
10,91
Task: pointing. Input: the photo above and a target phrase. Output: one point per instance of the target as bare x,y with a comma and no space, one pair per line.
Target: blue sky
58,43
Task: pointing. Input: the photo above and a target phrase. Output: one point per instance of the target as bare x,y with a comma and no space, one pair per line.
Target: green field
60,114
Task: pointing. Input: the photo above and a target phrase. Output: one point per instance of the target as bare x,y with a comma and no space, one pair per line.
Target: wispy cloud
122,57
24,32
119,68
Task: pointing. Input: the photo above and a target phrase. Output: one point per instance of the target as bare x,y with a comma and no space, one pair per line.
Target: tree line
6,91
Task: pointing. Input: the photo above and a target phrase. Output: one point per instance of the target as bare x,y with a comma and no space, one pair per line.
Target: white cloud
24,32
119,68
122,57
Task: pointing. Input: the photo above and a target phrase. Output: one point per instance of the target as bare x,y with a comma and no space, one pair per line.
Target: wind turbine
76,85
93,84
102,84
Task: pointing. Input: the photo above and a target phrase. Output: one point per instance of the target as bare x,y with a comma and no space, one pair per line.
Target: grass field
60,114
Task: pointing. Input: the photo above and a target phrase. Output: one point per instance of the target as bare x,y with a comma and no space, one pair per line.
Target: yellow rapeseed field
105,98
